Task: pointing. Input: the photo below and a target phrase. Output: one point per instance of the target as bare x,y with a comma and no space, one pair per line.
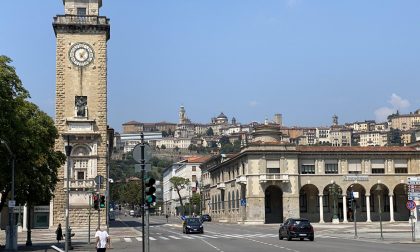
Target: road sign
411,205
243,202
12,203
137,153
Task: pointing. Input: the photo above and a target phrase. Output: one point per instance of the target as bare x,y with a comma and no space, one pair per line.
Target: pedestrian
167,218
59,233
102,240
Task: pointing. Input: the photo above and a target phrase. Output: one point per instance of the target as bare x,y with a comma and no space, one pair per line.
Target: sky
250,59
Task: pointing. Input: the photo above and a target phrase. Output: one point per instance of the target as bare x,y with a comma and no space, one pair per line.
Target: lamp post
378,190
333,188
12,241
68,149
354,208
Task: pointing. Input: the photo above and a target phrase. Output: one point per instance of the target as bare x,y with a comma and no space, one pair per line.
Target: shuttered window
355,166
378,166
273,166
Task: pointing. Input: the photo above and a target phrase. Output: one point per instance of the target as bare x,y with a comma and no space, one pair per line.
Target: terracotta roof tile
355,148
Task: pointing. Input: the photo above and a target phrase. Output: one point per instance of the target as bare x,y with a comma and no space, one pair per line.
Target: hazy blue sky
250,59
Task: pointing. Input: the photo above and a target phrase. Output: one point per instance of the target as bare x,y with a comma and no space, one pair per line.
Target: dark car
296,228
192,225
205,217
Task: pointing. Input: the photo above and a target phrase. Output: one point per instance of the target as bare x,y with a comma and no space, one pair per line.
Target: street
231,237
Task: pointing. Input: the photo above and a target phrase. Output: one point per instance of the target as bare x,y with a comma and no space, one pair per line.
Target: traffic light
150,190
95,201
102,202
119,207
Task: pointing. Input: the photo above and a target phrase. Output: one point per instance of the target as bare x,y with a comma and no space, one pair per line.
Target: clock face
81,54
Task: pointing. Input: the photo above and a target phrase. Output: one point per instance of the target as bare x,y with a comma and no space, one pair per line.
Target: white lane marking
209,236
174,237
139,239
187,237
164,238
127,240
211,245
151,238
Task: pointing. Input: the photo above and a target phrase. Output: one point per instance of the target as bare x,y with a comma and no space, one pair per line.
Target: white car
131,212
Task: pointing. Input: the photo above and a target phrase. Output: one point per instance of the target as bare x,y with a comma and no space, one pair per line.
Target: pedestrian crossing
207,236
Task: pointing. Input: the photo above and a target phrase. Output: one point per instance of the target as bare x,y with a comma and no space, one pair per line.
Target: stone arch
400,196
332,201
273,202
360,203
309,202
81,150
379,200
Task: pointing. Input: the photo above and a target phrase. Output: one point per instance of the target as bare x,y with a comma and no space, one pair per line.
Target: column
368,208
321,209
25,218
391,208
345,208
51,219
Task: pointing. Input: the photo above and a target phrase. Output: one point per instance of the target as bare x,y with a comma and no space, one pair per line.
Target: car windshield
193,221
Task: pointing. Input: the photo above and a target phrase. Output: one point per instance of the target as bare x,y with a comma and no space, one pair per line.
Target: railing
274,177
86,20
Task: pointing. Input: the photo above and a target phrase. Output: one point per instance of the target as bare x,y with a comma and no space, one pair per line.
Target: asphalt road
222,237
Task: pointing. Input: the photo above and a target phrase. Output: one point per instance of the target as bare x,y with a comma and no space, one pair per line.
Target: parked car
192,225
111,215
296,228
137,213
205,217
131,212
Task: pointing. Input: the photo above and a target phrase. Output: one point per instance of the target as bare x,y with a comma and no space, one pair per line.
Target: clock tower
81,111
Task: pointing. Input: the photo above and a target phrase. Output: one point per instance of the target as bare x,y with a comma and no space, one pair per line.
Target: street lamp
378,190
334,191
12,241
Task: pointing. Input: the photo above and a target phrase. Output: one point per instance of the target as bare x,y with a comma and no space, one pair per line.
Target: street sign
243,202
137,153
411,205
12,203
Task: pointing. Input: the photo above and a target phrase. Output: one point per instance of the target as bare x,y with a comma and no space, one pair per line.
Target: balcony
241,179
221,186
85,24
274,177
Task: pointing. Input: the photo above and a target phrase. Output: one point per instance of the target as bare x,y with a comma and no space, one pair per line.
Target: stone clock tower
81,109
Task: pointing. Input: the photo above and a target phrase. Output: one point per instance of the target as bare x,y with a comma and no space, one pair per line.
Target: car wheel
280,237
301,239
311,238
289,238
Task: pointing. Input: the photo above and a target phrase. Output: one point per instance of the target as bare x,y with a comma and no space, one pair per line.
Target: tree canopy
179,183
30,135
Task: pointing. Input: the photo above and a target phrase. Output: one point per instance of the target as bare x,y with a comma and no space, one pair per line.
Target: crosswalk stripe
127,240
209,236
164,238
151,238
139,239
187,237
174,237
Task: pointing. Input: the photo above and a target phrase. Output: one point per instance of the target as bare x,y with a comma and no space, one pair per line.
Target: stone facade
85,132
268,182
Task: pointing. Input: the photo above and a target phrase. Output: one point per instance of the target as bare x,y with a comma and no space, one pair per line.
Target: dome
222,116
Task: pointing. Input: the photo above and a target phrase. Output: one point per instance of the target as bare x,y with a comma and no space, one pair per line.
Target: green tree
30,134
179,183
163,147
210,132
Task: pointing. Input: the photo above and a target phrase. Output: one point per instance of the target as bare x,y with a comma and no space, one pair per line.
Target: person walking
102,240
167,216
59,233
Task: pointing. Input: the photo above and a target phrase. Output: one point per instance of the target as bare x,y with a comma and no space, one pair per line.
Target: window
331,167
229,200
378,166
81,11
80,164
273,166
237,199
80,175
401,166
355,166
194,178
303,203
307,167
194,168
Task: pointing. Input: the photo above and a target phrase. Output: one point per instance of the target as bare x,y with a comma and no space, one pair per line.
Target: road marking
139,239
151,238
211,245
174,237
127,240
164,238
187,237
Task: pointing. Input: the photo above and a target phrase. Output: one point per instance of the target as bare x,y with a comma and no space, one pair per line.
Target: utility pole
142,164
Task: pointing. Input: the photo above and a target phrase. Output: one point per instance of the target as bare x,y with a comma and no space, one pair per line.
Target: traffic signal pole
142,189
